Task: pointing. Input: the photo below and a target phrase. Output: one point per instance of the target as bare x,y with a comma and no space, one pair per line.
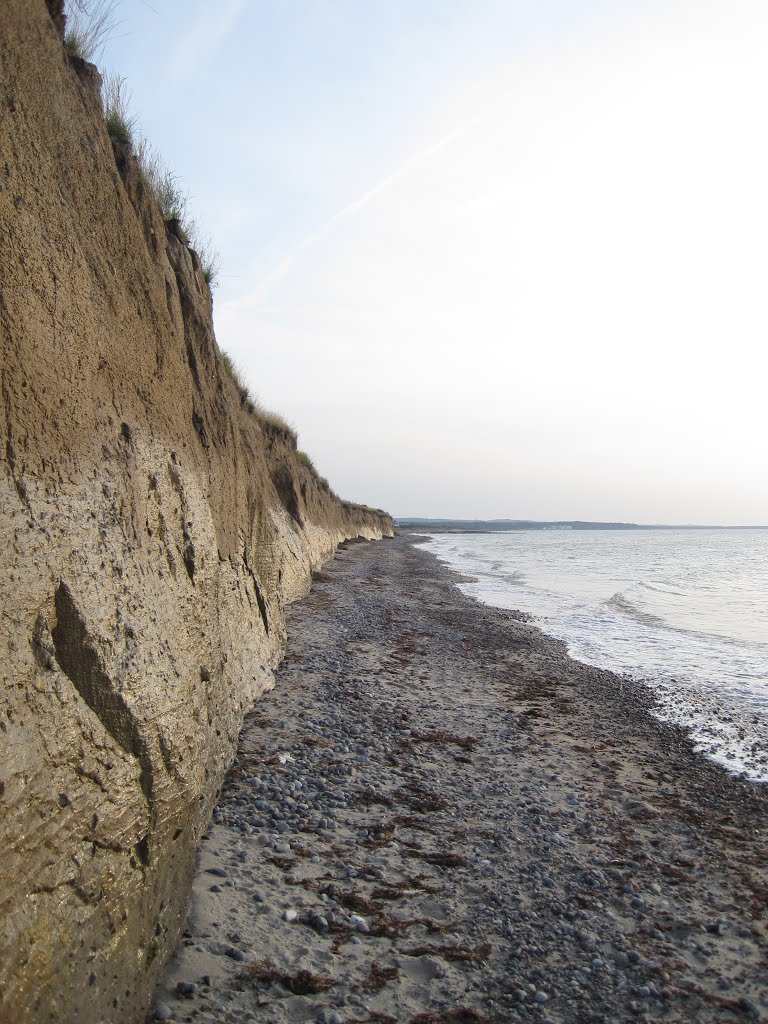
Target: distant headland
508,525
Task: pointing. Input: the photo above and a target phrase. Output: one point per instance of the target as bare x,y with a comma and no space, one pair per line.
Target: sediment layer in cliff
151,531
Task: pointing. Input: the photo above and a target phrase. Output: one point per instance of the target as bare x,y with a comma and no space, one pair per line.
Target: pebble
749,1007
283,802
162,1012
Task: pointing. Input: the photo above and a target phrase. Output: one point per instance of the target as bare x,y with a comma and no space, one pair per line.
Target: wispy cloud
265,285
563,280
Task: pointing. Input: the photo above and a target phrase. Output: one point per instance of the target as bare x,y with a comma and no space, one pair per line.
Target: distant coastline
507,525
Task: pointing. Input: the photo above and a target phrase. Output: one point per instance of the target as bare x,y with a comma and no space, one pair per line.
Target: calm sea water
685,611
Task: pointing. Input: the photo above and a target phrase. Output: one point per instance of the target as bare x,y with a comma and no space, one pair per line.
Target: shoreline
718,692
438,816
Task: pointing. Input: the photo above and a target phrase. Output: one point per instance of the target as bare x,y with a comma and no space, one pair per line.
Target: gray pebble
750,1007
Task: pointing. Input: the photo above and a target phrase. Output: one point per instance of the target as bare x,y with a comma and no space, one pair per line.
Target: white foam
655,606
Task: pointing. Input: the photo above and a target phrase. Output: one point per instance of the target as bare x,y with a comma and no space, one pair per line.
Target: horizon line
586,522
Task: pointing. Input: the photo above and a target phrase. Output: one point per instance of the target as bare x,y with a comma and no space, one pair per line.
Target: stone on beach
505,887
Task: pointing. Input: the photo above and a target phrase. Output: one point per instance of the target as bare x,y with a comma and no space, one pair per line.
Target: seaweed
461,1015
466,954
378,977
443,736
302,983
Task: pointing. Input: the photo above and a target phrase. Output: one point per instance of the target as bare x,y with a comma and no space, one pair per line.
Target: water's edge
731,732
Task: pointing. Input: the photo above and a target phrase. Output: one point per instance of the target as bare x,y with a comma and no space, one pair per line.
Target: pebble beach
437,817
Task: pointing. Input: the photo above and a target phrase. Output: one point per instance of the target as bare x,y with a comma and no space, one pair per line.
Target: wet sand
437,816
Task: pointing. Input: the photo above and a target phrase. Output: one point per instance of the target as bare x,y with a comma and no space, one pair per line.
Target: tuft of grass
235,374
174,206
304,460
171,198
164,184
90,23
115,101
274,421
265,418
210,258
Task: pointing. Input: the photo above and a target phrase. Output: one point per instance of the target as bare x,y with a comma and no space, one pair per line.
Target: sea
684,611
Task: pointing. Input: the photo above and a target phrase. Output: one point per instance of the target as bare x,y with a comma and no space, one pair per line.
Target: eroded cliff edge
151,531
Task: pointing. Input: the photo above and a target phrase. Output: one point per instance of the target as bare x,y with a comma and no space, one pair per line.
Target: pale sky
492,259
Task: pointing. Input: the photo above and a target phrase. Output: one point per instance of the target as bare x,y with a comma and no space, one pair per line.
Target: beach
437,816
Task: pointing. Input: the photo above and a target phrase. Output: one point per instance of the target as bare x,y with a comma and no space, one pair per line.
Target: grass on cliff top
116,102
90,23
273,421
174,205
122,126
304,460
265,418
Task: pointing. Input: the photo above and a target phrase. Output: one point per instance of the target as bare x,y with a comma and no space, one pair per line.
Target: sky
493,259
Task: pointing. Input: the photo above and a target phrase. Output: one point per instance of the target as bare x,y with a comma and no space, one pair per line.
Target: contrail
263,287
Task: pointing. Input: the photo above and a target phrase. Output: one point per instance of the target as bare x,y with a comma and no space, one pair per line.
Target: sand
437,816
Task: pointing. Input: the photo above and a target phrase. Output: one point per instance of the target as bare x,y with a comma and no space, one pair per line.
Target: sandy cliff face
150,533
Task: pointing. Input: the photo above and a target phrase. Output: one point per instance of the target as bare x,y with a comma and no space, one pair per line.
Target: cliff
151,531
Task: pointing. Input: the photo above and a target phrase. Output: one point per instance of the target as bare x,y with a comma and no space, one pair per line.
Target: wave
662,589
621,603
